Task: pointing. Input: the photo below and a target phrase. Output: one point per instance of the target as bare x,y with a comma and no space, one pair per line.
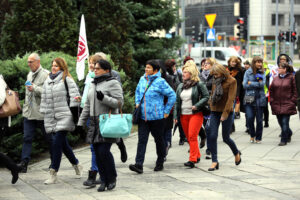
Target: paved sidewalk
267,171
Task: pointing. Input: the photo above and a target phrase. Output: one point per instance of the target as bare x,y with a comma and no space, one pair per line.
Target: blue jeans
168,137
105,162
251,113
213,134
61,145
157,131
286,132
94,163
30,127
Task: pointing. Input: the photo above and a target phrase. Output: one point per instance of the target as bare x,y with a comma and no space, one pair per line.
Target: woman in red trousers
191,96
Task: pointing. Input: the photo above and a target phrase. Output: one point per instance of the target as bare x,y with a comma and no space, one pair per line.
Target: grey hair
102,55
35,55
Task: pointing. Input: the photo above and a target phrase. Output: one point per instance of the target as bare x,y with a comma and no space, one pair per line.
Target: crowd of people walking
194,99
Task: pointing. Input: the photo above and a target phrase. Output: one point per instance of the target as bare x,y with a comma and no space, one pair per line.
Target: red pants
191,125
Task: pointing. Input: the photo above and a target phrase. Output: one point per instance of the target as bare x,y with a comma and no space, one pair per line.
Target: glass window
208,54
279,1
297,19
280,20
219,55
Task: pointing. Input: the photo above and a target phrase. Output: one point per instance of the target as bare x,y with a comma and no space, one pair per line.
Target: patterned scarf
188,84
218,92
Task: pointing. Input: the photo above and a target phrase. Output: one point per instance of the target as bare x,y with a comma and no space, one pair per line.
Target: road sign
211,34
210,18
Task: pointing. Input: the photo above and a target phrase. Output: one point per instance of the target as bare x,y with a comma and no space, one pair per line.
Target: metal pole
201,30
248,36
277,32
183,27
291,29
204,44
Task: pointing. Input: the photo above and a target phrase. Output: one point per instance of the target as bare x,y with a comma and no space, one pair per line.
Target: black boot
23,165
91,181
123,151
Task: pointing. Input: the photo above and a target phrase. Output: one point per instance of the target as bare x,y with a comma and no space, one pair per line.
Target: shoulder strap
146,90
67,89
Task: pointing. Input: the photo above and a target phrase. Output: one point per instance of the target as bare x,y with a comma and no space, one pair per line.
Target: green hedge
15,73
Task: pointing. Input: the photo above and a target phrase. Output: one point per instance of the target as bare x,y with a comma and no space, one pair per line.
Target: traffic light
294,36
201,37
193,33
281,36
240,27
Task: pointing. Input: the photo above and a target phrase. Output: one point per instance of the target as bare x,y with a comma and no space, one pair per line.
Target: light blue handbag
115,125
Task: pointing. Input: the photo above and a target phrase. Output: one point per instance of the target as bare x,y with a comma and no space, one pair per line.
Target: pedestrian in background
297,79
33,118
58,118
266,89
283,100
255,100
105,95
191,96
153,114
221,105
4,159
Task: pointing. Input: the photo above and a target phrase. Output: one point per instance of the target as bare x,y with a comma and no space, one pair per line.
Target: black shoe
181,142
202,143
289,139
266,125
214,168
91,181
189,164
136,168
111,185
282,144
208,155
159,167
102,187
239,162
15,174
23,166
123,151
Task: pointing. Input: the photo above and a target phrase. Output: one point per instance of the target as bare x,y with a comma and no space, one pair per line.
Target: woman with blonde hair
221,105
58,117
191,96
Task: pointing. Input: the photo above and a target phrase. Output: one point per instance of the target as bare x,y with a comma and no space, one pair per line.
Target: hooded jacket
152,106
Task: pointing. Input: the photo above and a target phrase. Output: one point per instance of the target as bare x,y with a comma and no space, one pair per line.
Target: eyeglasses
207,63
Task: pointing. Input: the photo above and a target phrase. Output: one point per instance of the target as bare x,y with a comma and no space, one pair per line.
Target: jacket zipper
145,100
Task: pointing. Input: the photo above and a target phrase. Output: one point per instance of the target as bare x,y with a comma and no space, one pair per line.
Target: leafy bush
15,73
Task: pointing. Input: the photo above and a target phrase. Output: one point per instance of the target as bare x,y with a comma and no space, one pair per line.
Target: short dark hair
104,65
154,64
169,64
187,59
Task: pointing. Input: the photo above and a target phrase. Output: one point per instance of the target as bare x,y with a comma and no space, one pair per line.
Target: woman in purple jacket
283,104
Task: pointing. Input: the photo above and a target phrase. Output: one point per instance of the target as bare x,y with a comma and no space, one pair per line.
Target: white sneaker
53,177
78,170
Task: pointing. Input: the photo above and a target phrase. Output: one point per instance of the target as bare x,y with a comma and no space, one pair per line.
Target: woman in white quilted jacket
58,119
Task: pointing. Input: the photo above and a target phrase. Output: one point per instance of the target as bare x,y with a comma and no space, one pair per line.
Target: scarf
205,74
103,77
53,76
188,84
282,75
218,92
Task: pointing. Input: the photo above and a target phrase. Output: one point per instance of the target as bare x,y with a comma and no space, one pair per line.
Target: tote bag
11,105
115,125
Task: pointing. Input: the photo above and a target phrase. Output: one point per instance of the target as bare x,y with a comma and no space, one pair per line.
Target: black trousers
266,112
156,127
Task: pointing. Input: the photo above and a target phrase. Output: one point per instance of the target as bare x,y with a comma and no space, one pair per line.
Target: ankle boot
23,165
78,170
53,177
91,181
123,151
15,174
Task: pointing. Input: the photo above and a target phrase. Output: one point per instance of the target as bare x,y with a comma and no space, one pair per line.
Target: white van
221,54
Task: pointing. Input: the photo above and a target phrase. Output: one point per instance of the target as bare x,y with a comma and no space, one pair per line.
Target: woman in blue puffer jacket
153,115
255,100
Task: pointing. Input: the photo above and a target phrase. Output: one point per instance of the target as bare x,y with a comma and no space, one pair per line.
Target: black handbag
136,116
76,110
206,110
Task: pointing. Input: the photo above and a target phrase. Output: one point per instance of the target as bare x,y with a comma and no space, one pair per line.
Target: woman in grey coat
105,95
58,119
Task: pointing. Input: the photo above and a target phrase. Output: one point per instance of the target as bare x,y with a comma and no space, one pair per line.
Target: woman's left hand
78,98
222,119
166,115
194,108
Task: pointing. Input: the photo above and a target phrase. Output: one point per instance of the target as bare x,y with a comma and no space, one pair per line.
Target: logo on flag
83,51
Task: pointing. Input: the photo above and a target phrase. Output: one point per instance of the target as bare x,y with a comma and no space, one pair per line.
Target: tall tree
109,25
37,25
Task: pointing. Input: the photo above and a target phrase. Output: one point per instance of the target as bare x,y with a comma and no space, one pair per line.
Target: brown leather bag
11,105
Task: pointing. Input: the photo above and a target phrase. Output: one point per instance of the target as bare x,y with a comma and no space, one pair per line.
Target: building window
297,20
280,20
296,1
279,1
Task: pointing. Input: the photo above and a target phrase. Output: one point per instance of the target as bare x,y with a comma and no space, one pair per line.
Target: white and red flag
83,51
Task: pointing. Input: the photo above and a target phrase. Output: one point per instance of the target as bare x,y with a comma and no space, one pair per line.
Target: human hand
249,82
30,88
222,119
175,121
166,115
100,95
194,108
137,105
77,98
